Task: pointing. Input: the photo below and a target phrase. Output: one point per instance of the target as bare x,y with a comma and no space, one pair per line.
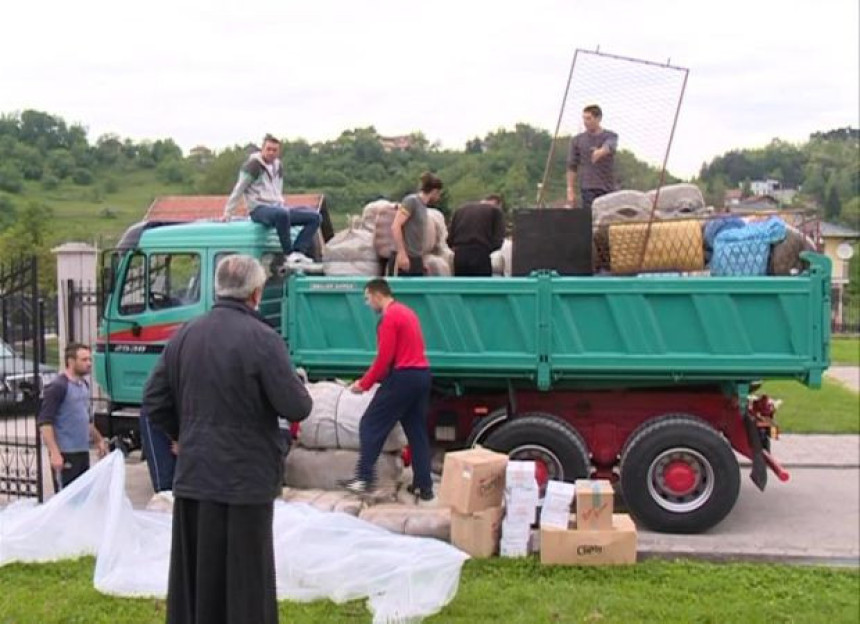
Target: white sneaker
298,257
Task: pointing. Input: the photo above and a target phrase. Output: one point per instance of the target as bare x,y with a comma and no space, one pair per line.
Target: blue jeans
282,219
159,458
403,397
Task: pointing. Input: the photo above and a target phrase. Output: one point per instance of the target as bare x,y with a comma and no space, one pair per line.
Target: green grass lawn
501,591
845,351
832,409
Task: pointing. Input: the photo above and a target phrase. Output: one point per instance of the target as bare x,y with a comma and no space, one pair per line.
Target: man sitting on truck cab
261,182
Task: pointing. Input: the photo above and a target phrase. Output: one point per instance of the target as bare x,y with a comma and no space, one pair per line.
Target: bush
107,213
11,179
111,185
50,182
82,176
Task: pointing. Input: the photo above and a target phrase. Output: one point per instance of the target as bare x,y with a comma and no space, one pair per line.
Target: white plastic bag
317,555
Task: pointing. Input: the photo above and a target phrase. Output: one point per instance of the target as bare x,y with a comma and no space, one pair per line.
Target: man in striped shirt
401,366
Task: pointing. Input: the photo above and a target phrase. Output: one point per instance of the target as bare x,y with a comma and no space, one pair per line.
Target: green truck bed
552,332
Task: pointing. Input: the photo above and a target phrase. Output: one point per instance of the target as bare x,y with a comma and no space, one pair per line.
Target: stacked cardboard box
556,504
521,501
594,535
473,484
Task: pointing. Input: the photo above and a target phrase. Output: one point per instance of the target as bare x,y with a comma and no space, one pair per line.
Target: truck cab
160,276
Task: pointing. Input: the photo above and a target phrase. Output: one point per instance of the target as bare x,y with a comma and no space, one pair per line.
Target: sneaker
355,486
298,257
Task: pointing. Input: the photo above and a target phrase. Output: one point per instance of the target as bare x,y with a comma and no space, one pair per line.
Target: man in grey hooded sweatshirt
261,182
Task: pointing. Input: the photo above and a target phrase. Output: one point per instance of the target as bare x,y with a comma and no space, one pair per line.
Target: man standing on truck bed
477,230
65,420
261,182
218,389
592,158
402,367
408,228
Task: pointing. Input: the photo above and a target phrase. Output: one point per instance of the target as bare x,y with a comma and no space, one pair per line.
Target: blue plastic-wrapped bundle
743,249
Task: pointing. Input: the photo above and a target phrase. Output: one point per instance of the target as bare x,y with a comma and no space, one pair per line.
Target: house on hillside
396,143
765,187
840,244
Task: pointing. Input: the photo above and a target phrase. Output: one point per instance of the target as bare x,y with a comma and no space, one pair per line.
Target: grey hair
238,276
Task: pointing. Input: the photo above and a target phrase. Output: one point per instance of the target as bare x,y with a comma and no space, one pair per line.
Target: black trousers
416,267
472,261
403,397
589,195
74,465
222,564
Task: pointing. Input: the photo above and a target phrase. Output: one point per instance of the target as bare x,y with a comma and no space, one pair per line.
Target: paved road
848,375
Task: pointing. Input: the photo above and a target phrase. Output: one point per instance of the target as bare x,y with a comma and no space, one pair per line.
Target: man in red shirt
402,367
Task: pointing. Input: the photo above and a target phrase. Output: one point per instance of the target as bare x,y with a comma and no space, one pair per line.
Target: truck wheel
679,475
558,450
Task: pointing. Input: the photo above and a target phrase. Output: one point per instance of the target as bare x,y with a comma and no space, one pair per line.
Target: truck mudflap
759,425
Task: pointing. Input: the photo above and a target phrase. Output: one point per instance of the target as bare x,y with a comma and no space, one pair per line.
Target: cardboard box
473,480
477,534
520,475
594,505
616,546
556,504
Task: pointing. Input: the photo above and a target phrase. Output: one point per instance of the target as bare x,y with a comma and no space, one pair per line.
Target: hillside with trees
57,184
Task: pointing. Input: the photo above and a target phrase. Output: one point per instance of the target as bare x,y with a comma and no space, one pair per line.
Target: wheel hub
680,477
680,480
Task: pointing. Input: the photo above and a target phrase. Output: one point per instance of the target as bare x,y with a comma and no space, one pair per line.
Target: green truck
647,381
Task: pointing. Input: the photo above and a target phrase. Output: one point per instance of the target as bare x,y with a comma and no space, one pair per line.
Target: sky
221,73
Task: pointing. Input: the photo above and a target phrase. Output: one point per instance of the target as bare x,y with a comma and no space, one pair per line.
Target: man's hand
174,447
224,218
402,261
599,153
571,197
102,448
56,459
356,388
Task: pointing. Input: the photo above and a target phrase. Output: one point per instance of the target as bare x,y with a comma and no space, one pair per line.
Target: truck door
158,292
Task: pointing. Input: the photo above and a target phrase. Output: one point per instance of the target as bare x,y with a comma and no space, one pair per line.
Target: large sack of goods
371,212
785,255
411,520
312,469
621,206
502,259
325,501
351,252
383,239
744,250
671,246
335,417
438,257
678,199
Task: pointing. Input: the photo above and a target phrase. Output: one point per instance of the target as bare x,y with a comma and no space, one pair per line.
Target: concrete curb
746,557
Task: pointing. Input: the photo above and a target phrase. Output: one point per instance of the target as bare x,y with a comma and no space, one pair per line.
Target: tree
61,163
832,206
28,236
746,188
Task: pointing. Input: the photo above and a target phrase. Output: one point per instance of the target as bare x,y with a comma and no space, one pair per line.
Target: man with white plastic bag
218,390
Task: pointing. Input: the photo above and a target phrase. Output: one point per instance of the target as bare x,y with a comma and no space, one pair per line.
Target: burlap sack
343,502
621,206
678,199
411,520
310,469
335,417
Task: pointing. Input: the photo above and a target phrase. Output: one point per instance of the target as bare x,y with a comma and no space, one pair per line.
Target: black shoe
420,495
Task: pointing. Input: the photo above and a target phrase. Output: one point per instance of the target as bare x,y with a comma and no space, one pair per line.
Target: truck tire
484,426
679,475
546,439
